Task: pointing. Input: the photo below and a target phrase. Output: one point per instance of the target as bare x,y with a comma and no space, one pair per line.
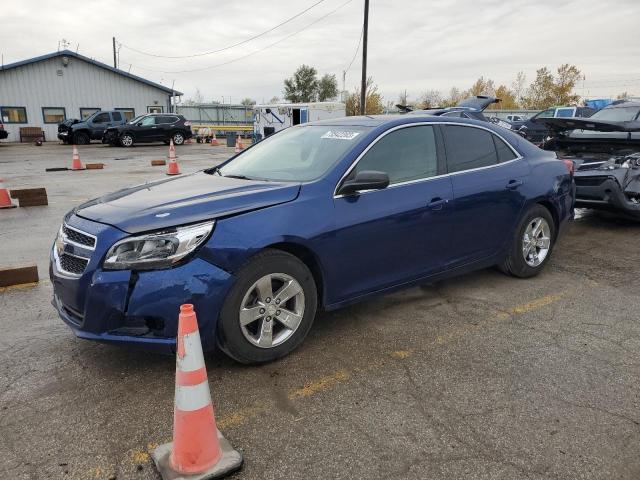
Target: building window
87,112
53,114
13,114
129,113
155,109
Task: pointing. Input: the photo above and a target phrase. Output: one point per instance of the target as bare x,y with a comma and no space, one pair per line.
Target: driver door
147,130
397,234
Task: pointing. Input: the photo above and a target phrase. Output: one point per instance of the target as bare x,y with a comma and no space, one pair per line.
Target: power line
355,54
228,47
249,54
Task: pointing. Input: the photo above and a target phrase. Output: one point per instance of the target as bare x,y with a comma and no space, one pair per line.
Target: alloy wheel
536,242
271,310
126,140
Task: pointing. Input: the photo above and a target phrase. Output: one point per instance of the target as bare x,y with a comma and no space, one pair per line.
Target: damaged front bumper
135,308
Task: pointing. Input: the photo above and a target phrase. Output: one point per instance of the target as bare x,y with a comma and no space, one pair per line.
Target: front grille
72,264
589,181
79,237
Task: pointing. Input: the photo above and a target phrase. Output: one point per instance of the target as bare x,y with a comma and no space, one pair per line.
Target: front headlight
157,250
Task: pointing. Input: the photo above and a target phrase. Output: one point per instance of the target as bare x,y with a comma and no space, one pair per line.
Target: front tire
269,310
532,244
126,140
81,139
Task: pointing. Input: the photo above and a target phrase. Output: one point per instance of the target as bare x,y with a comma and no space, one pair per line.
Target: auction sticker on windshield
340,135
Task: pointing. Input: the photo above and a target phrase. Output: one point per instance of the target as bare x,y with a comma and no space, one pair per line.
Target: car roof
393,120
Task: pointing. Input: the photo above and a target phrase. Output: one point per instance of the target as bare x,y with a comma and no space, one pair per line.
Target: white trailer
269,119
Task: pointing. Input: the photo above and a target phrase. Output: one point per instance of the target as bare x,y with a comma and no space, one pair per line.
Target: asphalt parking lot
479,377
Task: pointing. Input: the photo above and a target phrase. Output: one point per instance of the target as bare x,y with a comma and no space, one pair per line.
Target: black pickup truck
81,132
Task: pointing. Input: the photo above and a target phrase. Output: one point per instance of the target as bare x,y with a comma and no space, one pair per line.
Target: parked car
3,133
535,130
316,216
472,107
606,151
152,127
81,132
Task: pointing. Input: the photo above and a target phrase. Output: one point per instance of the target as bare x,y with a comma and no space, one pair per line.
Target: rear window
617,114
469,148
166,119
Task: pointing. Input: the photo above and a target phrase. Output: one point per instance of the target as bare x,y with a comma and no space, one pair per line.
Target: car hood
188,199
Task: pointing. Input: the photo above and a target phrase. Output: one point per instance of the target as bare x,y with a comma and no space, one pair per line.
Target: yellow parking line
319,385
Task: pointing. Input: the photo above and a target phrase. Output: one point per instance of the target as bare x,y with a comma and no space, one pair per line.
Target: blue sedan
315,217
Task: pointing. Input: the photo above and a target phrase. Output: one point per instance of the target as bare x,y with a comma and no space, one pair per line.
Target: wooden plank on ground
158,163
18,274
28,192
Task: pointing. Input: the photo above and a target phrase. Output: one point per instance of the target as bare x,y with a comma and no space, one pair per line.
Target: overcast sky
415,45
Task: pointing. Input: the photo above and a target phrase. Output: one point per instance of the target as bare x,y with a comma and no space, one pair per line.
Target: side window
166,119
117,116
406,154
565,112
549,113
452,114
504,151
469,147
146,121
101,118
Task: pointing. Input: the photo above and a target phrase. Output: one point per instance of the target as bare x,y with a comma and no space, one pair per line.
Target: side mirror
365,180
138,124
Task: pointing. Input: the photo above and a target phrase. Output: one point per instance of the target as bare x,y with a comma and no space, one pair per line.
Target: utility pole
363,86
115,62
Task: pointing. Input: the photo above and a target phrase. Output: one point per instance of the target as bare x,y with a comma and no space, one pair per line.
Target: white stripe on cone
193,357
192,398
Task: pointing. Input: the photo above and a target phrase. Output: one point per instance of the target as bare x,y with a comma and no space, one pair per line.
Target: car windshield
299,154
618,114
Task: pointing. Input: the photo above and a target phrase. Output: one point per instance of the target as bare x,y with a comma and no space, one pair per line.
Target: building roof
69,53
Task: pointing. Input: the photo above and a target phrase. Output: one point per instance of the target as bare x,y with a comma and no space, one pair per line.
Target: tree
566,79
430,99
373,100
302,86
482,87
518,87
540,94
507,97
196,100
275,99
623,96
403,98
547,90
248,102
455,96
327,88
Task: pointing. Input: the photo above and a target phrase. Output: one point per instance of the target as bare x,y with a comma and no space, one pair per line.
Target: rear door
487,175
385,237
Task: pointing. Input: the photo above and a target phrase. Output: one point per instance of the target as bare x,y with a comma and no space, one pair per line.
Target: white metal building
45,90
269,119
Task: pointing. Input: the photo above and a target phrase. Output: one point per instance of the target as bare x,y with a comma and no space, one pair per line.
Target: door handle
437,203
513,184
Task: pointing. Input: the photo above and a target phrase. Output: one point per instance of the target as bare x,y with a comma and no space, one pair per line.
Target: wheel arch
309,258
554,213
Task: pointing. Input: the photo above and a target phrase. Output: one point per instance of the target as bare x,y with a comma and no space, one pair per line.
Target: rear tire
178,138
532,244
289,322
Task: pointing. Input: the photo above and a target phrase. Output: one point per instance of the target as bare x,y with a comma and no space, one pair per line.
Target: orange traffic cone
172,167
76,164
198,450
239,146
5,200
214,140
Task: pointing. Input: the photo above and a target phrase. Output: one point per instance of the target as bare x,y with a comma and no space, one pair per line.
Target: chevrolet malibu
315,217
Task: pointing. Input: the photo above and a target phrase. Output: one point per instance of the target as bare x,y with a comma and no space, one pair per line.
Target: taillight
571,167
